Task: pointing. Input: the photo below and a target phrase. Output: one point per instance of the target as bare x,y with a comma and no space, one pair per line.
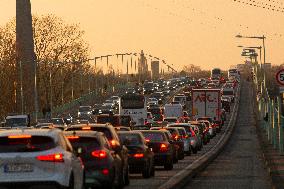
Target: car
171,119
162,148
115,143
141,157
199,136
177,140
203,130
99,159
115,99
191,134
186,140
84,110
58,122
122,128
212,126
157,114
40,125
36,157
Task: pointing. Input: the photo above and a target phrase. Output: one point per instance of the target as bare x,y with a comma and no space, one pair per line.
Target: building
155,68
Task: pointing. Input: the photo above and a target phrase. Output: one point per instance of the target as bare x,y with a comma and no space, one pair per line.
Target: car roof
53,133
83,133
179,124
16,116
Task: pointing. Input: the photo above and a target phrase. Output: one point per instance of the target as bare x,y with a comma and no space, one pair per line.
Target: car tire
169,165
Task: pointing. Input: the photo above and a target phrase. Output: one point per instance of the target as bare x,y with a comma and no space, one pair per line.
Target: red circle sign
280,77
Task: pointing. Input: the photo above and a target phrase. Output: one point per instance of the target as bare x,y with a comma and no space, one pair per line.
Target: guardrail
183,177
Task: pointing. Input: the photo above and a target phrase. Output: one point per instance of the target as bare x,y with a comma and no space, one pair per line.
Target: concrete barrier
181,178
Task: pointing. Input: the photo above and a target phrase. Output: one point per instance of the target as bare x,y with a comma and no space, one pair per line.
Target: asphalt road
240,165
161,176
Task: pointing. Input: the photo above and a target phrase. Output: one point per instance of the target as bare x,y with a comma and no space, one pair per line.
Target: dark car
141,157
203,130
157,113
177,139
114,141
99,160
162,148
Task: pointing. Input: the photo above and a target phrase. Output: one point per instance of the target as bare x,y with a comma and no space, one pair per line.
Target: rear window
106,131
130,139
156,137
170,120
181,132
84,142
25,143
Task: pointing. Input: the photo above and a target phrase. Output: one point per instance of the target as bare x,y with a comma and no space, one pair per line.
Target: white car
38,157
153,101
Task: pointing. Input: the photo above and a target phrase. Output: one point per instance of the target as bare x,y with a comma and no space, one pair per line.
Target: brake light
101,154
147,140
51,158
163,148
186,136
19,136
192,133
113,143
86,128
175,137
105,171
72,137
138,155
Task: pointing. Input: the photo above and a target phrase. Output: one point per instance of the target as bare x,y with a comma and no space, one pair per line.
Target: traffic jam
143,134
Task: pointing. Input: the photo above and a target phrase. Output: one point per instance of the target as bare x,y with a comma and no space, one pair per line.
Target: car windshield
154,136
57,121
228,92
25,143
130,139
84,109
13,122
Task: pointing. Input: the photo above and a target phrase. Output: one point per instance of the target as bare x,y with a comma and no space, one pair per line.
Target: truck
173,110
207,103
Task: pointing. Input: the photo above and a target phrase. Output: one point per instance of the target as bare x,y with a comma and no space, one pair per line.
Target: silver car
192,138
38,157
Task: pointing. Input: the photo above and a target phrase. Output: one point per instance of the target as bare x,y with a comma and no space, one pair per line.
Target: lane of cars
104,148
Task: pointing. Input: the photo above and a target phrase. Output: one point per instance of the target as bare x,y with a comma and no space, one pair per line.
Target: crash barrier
183,177
91,97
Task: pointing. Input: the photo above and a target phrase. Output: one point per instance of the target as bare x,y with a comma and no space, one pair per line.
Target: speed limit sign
280,77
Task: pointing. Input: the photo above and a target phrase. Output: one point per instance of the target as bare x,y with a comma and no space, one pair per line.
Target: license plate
18,168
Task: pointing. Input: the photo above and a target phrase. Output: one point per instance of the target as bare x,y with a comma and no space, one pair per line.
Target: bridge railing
270,113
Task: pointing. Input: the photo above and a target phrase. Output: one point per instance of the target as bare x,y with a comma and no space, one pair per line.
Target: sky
182,32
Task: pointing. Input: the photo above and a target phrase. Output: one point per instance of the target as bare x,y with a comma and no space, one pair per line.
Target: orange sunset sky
200,32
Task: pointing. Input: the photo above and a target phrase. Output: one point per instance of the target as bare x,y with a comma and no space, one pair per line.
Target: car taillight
185,136
140,155
19,136
175,137
147,140
192,133
101,154
72,137
163,148
113,143
51,157
105,171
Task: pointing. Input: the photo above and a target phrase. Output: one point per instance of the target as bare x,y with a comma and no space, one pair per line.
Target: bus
134,105
216,74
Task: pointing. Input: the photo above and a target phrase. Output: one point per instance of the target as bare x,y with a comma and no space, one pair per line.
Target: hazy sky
199,32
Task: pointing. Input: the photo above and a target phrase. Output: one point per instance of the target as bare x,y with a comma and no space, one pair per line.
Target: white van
173,110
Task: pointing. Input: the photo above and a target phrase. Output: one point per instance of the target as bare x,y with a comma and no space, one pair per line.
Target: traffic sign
280,77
